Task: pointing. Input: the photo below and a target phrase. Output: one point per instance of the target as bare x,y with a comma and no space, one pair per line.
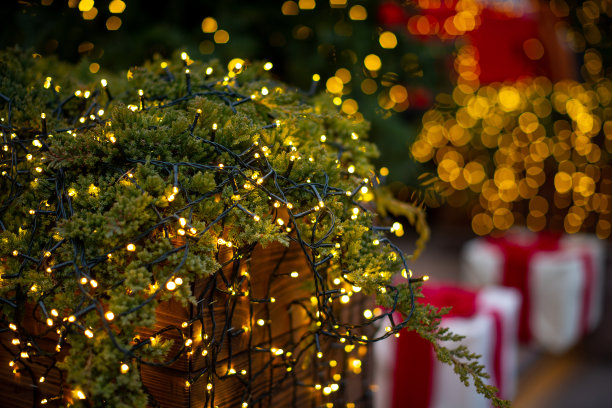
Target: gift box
407,373
559,276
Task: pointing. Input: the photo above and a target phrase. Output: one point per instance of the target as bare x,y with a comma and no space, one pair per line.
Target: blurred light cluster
587,30
89,11
368,69
445,19
531,152
391,95
219,36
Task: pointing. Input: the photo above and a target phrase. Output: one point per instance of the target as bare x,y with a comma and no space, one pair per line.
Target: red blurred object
517,258
390,13
510,46
501,43
415,392
420,98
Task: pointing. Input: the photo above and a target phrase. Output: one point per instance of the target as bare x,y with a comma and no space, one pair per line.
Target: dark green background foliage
258,30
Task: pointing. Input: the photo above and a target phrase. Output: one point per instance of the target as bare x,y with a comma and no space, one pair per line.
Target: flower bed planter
134,241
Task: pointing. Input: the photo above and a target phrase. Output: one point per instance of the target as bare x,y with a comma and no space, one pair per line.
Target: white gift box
490,332
563,285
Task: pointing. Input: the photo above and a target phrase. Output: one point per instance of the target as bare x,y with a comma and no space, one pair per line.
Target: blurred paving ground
582,377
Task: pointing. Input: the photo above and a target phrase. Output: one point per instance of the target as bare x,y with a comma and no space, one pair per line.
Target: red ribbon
589,272
413,373
517,258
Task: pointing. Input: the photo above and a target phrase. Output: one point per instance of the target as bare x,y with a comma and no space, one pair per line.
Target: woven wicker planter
236,342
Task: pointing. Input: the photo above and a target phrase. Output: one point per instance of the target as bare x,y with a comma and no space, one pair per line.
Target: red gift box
409,375
559,276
